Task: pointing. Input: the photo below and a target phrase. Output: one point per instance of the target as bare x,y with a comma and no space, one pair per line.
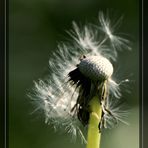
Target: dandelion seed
81,72
117,42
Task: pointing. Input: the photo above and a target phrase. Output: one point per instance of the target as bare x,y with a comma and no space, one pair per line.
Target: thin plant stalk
94,136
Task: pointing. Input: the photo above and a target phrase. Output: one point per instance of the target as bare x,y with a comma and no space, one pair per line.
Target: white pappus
78,71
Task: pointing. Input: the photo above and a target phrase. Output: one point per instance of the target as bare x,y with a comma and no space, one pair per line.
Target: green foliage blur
35,27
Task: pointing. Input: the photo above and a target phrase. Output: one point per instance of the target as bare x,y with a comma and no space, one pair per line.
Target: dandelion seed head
96,67
64,96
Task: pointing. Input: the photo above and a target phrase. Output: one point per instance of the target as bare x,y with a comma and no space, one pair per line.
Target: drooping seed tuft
96,68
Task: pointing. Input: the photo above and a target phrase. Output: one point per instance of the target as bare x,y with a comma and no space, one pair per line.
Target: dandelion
80,90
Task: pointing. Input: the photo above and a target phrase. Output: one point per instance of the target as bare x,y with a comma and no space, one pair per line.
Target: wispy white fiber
56,96
117,42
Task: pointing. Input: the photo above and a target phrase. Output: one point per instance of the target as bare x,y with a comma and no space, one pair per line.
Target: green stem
94,136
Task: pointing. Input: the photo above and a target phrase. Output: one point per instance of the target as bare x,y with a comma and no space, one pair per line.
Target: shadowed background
35,27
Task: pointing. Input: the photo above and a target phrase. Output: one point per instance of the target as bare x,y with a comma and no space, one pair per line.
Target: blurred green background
35,27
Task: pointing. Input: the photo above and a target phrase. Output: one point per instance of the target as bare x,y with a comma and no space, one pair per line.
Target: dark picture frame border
4,73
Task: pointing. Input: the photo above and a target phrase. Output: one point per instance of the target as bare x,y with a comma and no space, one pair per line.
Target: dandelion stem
94,136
